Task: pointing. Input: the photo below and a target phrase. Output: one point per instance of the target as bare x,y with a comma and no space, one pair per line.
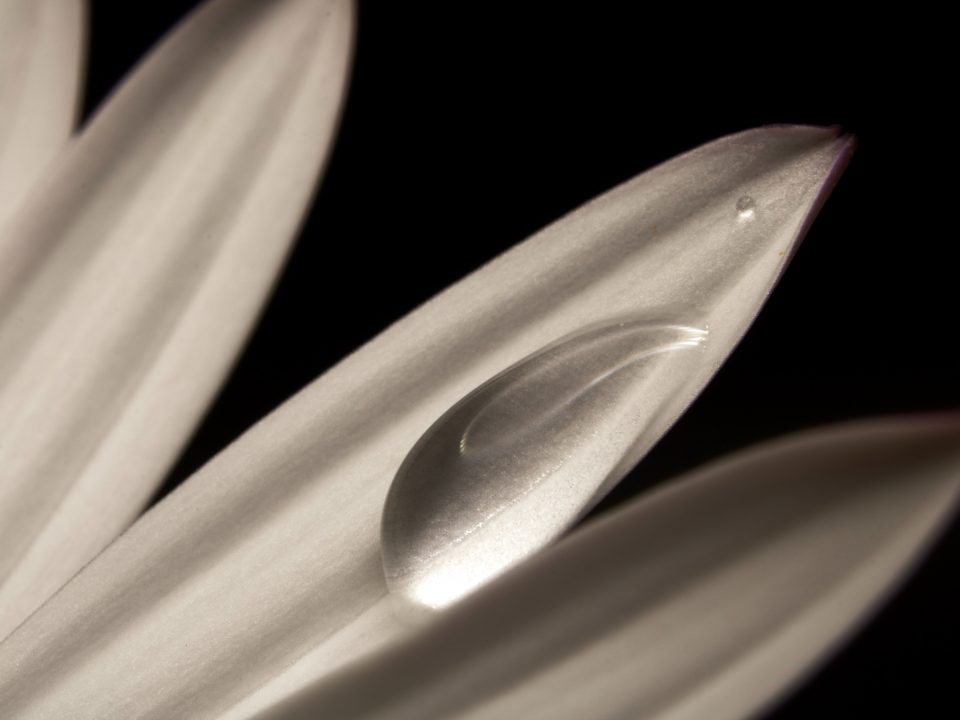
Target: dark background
469,126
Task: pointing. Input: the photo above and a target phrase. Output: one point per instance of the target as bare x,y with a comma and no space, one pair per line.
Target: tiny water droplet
513,464
746,208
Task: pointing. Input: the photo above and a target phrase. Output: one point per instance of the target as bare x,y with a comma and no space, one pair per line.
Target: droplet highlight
516,462
746,208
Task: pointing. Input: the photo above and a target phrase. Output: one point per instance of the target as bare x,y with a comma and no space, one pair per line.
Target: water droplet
517,461
746,208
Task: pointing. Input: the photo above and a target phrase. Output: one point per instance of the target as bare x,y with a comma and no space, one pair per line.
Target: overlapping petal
705,599
130,280
41,61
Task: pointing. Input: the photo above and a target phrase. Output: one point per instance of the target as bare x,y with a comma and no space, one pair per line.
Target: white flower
176,204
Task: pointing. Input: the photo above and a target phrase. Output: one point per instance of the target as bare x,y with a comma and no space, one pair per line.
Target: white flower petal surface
704,599
239,576
130,281
41,49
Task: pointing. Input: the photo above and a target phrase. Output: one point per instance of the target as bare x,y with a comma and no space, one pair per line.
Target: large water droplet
517,461
746,208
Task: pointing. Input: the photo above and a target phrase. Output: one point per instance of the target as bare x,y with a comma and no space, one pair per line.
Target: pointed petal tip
844,142
835,148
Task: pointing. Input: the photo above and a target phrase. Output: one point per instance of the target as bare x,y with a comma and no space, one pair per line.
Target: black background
469,126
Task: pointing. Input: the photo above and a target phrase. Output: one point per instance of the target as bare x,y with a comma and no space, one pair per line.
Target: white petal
41,48
273,546
702,600
129,284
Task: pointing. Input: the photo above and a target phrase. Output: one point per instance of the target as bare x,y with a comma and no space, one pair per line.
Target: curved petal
706,598
273,546
41,64
129,284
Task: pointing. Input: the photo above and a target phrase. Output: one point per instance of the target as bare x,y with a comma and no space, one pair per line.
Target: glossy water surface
517,461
